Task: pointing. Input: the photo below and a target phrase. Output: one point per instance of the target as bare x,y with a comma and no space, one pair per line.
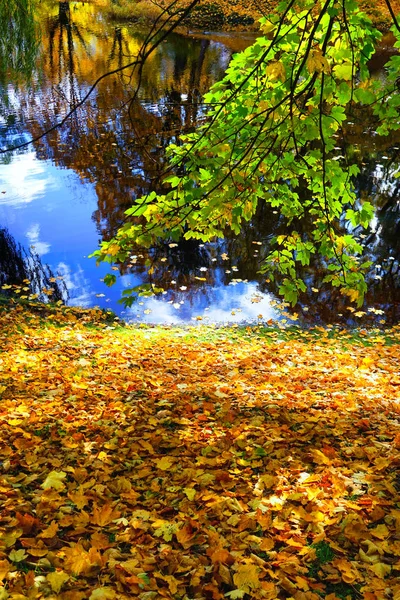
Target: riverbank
240,15
201,463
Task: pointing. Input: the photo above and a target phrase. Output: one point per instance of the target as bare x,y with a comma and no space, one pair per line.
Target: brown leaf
103,515
50,532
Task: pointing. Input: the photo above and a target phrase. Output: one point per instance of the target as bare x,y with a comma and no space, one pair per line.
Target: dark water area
68,191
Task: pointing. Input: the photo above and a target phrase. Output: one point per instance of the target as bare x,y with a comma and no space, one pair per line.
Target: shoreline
217,17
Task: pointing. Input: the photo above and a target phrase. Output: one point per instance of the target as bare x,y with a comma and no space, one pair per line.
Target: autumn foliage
197,464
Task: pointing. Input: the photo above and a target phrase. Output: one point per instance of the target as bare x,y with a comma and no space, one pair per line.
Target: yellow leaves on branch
276,70
145,463
317,62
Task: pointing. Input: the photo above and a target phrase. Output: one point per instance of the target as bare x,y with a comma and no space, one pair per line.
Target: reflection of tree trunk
194,85
63,20
116,49
71,67
64,14
180,63
60,24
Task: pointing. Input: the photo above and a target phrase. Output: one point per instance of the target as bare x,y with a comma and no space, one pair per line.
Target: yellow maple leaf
164,463
131,565
164,529
5,567
77,560
381,532
317,62
17,555
246,577
172,583
319,457
381,569
54,480
104,515
186,535
113,249
276,70
190,493
57,580
50,532
102,593
79,499
348,571
269,590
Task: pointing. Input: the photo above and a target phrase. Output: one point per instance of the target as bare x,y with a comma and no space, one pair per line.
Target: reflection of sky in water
50,210
33,234
217,305
23,180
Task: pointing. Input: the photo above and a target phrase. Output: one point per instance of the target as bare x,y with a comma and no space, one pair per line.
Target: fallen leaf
57,580
54,480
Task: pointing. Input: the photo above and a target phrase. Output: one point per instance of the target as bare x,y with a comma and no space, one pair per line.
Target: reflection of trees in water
117,145
19,267
19,45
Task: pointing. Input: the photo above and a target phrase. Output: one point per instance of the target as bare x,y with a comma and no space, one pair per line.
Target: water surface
69,190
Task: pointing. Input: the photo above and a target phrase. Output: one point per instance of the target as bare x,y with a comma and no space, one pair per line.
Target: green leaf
344,71
110,279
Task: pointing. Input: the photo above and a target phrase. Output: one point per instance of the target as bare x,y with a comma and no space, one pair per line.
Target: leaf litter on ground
197,464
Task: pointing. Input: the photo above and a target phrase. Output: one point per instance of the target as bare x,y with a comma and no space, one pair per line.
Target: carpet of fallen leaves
197,464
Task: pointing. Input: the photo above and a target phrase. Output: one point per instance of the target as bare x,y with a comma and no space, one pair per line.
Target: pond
62,195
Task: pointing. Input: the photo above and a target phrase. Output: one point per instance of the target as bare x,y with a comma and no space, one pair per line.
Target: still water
69,190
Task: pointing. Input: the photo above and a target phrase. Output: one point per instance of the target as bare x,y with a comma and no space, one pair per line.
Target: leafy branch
269,137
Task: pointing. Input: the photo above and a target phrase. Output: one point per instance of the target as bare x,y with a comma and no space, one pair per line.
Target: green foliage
271,137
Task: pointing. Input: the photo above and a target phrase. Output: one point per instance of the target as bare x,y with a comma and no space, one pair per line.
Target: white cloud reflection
37,246
23,180
77,284
225,307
